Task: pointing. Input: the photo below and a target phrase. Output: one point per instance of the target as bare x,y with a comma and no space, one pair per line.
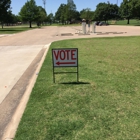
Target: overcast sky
53,5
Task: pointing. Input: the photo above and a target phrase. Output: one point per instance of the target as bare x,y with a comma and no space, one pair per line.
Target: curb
13,125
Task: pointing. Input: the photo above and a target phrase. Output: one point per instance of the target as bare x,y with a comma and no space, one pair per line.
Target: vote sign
65,57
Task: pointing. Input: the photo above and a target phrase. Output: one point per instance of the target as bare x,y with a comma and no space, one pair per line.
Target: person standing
89,26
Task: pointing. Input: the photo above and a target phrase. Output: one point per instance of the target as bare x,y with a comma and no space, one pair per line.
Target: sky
53,5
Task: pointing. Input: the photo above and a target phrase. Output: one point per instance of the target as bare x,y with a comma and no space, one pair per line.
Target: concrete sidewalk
21,53
13,64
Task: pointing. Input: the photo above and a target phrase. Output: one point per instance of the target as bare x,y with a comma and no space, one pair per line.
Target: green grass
133,22
105,105
14,29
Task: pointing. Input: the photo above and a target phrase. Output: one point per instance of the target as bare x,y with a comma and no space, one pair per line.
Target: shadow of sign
74,83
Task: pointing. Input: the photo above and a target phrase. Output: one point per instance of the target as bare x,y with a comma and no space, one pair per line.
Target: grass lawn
104,105
14,29
133,22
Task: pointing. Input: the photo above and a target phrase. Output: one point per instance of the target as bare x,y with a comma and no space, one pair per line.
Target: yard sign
65,58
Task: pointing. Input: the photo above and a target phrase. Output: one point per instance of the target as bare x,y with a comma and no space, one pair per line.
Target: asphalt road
21,53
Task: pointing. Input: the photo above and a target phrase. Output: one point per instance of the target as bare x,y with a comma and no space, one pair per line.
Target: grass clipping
104,105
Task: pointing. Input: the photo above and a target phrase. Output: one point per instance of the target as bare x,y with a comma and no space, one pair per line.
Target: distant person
89,26
95,23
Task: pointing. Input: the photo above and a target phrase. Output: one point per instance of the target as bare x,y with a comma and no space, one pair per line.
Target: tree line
67,13
29,12
129,9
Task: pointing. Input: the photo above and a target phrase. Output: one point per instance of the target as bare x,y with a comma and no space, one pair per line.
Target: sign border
77,72
65,49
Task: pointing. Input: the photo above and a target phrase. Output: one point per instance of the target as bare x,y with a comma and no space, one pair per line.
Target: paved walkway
21,53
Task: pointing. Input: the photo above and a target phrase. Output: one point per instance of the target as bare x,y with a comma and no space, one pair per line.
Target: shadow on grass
17,29
11,30
74,83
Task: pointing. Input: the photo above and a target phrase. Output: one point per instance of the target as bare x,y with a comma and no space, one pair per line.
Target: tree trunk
30,24
128,20
2,25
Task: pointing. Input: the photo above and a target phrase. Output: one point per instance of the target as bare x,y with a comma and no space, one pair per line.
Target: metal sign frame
65,62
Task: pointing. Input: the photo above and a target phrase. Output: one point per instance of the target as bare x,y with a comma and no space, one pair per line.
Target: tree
106,11
135,8
60,15
67,12
125,10
50,18
113,11
87,14
4,10
42,15
70,11
101,12
77,16
29,12
71,5
11,18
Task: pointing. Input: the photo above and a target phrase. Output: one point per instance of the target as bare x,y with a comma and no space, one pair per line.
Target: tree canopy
106,11
130,9
87,14
70,11
125,10
5,10
29,12
50,18
60,15
67,13
42,15
135,8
